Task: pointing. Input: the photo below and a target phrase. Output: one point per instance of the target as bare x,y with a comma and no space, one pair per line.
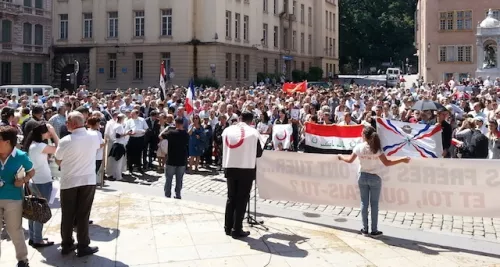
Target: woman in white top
93,124
120,139
370,184
41,184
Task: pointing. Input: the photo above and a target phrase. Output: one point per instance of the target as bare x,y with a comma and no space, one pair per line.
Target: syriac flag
163,85
409,139
282,135
332,139
291,88
190,97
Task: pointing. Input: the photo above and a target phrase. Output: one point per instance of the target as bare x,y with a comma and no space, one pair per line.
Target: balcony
26,10
10,8
34,49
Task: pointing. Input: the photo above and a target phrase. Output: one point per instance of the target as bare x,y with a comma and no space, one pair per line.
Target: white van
393,71
29,90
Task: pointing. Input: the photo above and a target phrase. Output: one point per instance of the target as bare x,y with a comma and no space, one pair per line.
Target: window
276,66
302,42
303,66
275,36
112,24
246,21
228,66
6,31
446,20
334,51
294,4
266,6
309,44
87,25
310,65
236,26
228,24
326,18
237,67
38,34
460,53
38,75
139,24
309,16
6,73
27,3
326,46
39,5
275,6
265,65
112,66
139,66
264,34
331,21
496,13
302,13
246,67
464,20
26,73
330,47
166,22
27,32
294,40
63,26
165,57
334,19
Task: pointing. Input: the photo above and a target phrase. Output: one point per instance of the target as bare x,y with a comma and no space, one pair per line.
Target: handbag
35,208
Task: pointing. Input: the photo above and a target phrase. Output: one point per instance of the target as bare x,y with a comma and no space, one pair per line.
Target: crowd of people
134,128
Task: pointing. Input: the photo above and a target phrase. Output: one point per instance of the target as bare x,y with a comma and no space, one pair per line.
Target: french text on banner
440,186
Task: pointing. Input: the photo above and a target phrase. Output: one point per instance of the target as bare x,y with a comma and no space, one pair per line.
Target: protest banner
441,186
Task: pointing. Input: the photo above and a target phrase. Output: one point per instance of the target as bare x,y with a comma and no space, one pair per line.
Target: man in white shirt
137,126
76,155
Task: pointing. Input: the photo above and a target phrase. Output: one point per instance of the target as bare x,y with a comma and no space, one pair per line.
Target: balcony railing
10,8
36,11
37,49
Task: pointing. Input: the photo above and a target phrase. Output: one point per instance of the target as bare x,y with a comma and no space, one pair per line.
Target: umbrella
427,105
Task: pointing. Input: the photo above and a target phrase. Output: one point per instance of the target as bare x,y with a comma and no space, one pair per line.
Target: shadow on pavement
424,247
276,248
52,257
103,234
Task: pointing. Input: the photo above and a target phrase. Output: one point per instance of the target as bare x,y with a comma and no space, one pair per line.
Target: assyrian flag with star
409,139
332,139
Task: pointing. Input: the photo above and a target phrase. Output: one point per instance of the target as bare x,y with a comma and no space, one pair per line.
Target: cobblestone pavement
214,184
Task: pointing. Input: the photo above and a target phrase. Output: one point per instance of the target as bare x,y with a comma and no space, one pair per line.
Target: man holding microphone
241,148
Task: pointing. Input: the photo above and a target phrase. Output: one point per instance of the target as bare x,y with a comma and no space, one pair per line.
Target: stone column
480,54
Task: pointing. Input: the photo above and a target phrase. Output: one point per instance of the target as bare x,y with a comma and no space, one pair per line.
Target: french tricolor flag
332,139
190,97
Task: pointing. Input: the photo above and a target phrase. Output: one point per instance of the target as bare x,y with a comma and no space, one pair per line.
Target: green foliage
375,31
315,74
299,76
206,82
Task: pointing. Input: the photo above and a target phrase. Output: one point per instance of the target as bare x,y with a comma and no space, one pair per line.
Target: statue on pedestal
490,57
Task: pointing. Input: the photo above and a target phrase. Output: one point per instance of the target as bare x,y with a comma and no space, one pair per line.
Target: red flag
291,88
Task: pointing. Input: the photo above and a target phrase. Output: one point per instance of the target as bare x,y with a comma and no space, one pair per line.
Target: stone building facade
25,39
121,43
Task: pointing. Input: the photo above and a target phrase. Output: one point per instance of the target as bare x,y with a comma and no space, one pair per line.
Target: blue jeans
370,186
170,171
40,190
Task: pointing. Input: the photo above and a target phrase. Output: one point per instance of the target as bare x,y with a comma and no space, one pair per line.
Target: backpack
478,147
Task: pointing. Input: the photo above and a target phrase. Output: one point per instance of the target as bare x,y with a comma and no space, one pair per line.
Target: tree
315,74
376,31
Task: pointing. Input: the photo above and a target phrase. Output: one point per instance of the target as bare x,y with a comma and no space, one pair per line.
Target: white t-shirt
368,162
43,174
77,152
100,151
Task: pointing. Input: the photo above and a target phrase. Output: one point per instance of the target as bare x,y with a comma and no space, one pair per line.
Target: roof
490,21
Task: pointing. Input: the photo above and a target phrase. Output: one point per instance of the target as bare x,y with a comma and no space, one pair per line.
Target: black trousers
238,193
149,152
76,204
207,155
135,146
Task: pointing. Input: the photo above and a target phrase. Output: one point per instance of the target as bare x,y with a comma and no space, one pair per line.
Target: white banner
440,186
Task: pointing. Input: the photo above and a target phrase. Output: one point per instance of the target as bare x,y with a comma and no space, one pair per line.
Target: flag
163,84
332,139
282,134
190,97
409,139
291,88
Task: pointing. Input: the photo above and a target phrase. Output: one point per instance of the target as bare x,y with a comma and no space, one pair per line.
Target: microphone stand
252,218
